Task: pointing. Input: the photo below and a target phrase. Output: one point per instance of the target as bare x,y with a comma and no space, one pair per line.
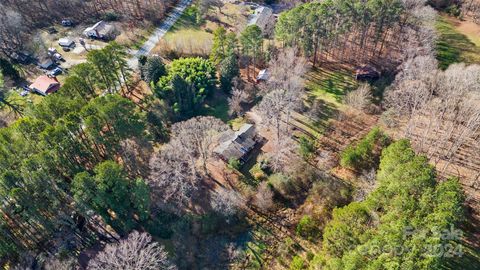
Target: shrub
111,17
307,228
307,147
257,173
453,10
234,163
365,153
297,263
283,185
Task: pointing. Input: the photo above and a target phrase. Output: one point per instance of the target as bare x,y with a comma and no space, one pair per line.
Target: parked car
46,63
51,30
66,42
56,71
24,93
52,51
67,23
58,57
21,57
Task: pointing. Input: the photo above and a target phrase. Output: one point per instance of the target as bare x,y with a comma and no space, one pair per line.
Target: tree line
349,31
406,222
60,160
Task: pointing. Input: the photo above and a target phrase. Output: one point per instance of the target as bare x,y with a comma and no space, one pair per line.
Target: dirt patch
471,30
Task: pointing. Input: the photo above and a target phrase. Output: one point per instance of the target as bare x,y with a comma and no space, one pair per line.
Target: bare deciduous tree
136,155
276,109
235,102
175,170
197,136
172,178
286,71
361,98
441,107
13,33
136,252
227,202
57,264
263,199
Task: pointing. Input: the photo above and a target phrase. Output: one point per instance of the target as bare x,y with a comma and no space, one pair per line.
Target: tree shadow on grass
453,46
332,82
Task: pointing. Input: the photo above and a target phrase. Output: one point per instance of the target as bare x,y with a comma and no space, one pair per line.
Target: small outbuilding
100,30
238,145
263,75
45,85
365,72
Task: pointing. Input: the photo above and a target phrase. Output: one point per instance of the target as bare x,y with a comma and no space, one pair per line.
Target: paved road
159,32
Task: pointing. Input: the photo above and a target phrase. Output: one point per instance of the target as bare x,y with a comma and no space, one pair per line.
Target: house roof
263,75
100,27
260,16
44,83
238,144
363,70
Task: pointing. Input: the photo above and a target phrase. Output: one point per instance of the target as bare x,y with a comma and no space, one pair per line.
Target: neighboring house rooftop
99,30
238,144
366,72
261,17
45,85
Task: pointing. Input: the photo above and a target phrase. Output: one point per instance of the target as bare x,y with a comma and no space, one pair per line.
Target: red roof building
45,85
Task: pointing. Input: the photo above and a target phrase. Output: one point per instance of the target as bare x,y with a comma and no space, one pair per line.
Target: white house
100,30
263,75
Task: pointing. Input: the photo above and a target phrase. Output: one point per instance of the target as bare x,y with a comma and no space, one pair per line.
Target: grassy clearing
190,36
187,42
454,46
330,86
186,37
327,87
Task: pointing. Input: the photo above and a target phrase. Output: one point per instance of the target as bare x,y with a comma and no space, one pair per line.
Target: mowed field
458,41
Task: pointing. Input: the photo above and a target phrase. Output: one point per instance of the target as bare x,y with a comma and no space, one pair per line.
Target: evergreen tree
228,70
252,42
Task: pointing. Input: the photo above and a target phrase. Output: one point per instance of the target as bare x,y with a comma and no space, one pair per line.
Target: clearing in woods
458,41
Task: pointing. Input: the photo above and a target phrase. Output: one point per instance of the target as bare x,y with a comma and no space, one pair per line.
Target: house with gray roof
262,17
237,145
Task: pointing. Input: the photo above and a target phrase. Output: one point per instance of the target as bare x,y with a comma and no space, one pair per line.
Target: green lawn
330,86
454,46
